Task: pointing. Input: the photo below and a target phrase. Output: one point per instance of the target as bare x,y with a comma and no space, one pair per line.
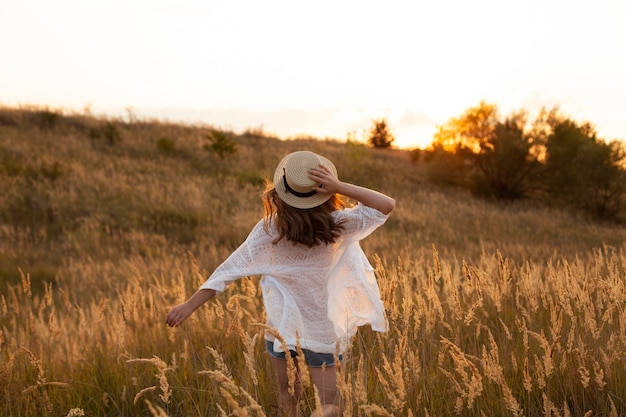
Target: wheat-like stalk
162,369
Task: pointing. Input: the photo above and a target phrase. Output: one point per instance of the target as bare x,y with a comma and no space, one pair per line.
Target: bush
106,131
443,167
220,143
166,146
45,119
379,135
8,118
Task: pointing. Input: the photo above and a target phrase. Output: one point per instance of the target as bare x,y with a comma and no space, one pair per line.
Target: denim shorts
312,359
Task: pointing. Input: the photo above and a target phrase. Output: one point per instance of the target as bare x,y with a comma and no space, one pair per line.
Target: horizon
323,71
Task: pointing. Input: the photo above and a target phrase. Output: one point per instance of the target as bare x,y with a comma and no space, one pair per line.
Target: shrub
220,143
106,131
45,119
166,146
8,118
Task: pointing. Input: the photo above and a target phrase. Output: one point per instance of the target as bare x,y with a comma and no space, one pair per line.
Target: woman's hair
309,227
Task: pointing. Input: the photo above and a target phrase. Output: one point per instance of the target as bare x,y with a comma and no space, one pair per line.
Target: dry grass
494,310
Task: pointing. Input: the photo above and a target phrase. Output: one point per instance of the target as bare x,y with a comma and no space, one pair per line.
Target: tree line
552,158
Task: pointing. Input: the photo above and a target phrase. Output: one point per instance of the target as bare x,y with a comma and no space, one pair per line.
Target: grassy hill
78,187
105,223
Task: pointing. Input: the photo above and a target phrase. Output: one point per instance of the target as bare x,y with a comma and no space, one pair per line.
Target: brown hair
309,227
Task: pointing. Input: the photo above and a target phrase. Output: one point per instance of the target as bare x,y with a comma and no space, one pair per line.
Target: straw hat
292,182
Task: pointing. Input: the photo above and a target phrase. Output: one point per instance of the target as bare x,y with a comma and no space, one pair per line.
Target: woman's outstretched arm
179,313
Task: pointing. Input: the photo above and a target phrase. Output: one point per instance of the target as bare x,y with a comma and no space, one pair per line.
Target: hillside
85,192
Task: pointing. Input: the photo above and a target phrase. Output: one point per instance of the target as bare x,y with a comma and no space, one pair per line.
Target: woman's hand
178,314
328,183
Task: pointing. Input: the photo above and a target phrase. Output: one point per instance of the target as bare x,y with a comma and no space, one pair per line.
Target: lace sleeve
239,264
360,221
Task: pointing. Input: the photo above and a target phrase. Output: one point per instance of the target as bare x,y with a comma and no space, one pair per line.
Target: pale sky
319,68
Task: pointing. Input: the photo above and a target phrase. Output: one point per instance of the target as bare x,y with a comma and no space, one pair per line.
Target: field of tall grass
494,309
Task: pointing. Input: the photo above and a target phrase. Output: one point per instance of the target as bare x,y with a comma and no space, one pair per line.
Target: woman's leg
325,380
288,402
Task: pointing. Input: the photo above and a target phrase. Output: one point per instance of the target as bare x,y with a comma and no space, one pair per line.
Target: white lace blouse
323,293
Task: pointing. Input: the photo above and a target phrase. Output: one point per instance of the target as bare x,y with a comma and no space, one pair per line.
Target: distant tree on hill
380,135
507,160
583,170
470,130
499,156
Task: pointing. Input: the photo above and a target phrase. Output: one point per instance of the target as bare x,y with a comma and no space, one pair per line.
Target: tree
584,171
471,130
507,160
512,158
498,155
380,135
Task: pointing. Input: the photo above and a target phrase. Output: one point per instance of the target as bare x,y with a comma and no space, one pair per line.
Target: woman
317,284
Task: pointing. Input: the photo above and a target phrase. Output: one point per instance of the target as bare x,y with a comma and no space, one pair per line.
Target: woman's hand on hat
328,183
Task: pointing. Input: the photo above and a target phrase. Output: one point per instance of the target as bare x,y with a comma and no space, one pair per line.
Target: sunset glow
323,69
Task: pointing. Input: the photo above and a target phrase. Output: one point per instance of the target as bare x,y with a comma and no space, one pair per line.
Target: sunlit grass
493,309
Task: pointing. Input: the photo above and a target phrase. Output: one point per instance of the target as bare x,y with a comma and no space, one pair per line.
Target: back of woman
318,286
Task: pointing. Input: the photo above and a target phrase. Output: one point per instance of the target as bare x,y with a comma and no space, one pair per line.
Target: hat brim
315,200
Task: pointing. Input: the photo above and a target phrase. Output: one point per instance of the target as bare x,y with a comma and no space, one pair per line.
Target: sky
322,68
